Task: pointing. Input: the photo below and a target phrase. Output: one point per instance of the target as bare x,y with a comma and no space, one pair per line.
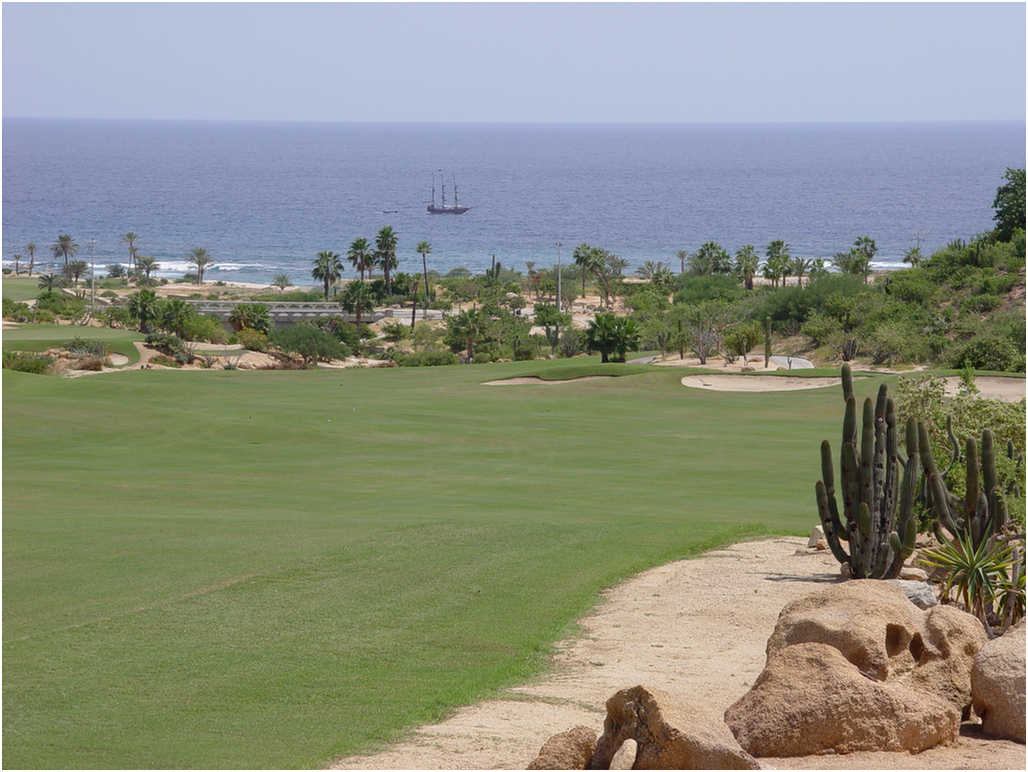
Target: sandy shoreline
694,628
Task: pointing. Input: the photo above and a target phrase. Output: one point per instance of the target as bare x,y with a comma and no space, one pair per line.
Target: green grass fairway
269,569
40,337
21,289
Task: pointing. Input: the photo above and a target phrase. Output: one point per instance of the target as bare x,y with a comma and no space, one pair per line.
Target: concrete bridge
285,313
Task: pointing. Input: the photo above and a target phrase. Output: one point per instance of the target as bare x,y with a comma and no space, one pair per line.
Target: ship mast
456,203
442,181
433,189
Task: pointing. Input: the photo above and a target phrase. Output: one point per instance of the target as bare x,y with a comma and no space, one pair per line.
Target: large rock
918,592
871,622
668,735
877,628
998,685
568,750
810,699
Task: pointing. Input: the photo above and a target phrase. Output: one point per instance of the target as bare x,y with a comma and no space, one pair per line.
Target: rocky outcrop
625,756
810,698
918,592
851,651
568,750
668,734
998,685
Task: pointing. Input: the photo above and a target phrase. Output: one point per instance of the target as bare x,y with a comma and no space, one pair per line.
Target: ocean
264,198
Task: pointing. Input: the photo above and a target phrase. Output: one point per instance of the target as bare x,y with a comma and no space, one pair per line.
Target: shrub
93,363
988,353
980,304
820,328
108,294
61,304
695,289
343,330
17,312
37,364
427,358
309,342
44,316
396,331
170,346
167,361
427,335
253,339
116,316
203,327
93,348
251,315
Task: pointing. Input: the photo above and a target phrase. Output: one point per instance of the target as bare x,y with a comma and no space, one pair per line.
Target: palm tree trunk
413,308
326,287
424,267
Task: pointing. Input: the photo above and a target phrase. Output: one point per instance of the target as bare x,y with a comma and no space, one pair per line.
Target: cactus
877,520
983,510
1014,487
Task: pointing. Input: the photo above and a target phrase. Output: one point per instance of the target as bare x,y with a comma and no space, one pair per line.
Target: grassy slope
267,569
40,337
21,289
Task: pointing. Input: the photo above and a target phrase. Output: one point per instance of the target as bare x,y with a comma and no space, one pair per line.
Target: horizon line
521,123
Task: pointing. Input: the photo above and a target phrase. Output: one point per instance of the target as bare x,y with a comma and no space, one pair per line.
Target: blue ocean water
266,197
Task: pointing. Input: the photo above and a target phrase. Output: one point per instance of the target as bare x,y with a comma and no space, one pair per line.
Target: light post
92,280
558,278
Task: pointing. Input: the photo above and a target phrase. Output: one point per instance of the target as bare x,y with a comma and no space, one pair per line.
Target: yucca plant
977,570
1010,592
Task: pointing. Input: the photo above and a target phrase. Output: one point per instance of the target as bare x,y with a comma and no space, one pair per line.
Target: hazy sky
462,62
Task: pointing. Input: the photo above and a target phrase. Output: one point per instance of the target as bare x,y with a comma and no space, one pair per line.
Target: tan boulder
668,734
625,756
944,654
810,699
871,622
998,685
568,750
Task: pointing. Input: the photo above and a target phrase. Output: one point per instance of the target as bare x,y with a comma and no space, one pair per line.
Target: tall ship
444,209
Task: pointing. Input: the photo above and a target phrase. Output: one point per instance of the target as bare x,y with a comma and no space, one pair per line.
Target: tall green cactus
877,510
767,341
983,510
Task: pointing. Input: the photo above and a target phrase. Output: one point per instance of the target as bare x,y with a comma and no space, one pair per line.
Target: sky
579,63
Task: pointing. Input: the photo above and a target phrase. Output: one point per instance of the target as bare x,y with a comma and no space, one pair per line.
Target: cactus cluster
983,510
877,520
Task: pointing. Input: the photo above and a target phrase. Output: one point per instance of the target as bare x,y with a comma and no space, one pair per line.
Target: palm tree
777,266
912,256
130,239
649,269
327,269
65,247
799,266
48,282
357,298
682,255
587,259
385,253
76,268
466,326
17,261
360,256
147,265
281,281
143,305
747,262
199,257
31,249
424,249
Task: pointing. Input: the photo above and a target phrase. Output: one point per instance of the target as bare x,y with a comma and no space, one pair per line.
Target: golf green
270,569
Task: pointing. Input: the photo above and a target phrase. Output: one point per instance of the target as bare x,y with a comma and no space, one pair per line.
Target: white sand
756,382
992,387
535,381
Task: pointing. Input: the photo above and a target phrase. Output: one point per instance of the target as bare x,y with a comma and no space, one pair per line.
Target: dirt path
696,628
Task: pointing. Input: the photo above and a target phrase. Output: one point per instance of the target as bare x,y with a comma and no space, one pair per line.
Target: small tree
327,269
48,282
199,257
1010,204
143,306
357,299
552,321
250,316
281,281
609,334
743,338
747,262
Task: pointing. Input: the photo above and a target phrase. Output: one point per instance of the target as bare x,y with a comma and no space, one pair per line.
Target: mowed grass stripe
268,569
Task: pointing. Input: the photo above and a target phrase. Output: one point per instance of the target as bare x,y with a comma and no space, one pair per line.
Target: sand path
535,381
695,628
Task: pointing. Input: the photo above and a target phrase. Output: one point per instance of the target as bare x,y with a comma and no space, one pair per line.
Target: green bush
37,364
108,294
426,358
980,304
696,289
44,316
988,353
396,331
16,312
253,340
167,361
116,316
254,316
820,328
61,304
309,342
169,345
204,327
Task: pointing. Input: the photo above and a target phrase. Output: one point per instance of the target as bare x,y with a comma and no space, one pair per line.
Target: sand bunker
543,382
991,387
118,360
756,382
696,628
